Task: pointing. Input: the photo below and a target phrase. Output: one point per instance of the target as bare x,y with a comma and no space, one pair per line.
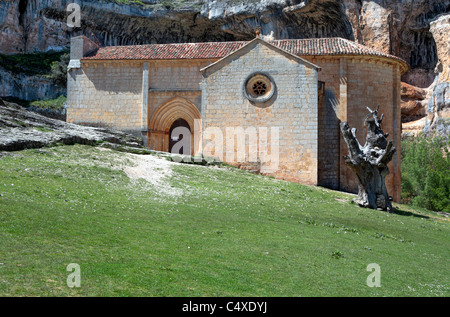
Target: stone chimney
80,46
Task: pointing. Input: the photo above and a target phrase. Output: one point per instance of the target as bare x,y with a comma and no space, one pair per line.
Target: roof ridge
184,43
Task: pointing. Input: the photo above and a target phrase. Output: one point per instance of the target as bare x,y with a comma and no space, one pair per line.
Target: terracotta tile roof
211,50
216,50
327,46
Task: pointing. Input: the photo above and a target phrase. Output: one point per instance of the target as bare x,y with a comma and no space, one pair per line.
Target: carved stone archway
163,118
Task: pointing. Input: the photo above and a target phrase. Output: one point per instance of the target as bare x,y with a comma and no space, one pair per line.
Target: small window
259,88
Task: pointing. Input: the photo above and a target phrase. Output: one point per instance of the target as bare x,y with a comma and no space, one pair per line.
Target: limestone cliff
415,30
26,87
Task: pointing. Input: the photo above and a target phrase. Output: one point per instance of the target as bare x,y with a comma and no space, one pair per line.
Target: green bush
56,104
31,64
426,173
59,70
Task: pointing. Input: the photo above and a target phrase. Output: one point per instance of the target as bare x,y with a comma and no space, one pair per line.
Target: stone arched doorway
180,137
176,112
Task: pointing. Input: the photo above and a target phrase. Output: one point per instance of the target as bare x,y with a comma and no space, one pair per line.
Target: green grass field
210,232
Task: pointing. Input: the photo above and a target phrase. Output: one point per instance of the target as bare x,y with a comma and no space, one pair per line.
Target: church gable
261,74
259,88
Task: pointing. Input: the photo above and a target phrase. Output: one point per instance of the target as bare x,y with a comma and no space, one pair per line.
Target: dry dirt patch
153,169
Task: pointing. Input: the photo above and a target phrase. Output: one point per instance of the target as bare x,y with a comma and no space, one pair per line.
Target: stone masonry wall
351,85
178,78
329,124
106,94
371,84
293,109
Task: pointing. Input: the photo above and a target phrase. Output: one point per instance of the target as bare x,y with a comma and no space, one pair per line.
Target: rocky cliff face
415,30
25,87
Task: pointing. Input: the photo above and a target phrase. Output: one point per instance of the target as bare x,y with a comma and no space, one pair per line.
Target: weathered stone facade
105,94
292,109
113,103
145,89
353,83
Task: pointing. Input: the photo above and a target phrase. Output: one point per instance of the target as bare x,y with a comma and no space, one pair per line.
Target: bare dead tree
369,162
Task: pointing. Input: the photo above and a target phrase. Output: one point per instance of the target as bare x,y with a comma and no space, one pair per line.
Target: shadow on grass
400,212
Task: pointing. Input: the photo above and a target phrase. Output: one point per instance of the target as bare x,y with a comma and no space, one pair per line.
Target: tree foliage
426,173
59,70
31,64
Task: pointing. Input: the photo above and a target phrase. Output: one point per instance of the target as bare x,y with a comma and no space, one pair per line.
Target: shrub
59,70
337,254
50,104
426,173
31,64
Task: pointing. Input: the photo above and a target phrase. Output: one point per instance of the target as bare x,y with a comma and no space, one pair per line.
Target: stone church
303,88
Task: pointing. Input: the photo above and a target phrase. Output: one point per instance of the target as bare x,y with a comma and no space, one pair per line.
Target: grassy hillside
200,231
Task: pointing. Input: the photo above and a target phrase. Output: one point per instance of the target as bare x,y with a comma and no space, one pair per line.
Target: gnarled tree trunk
369,162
